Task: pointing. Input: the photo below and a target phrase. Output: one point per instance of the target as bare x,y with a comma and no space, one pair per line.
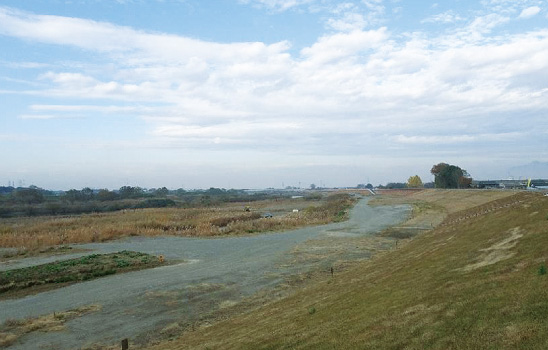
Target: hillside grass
35,233
476,281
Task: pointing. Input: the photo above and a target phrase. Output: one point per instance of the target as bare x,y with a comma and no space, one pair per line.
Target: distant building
509,184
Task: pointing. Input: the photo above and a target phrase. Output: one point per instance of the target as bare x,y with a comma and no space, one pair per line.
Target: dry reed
33,233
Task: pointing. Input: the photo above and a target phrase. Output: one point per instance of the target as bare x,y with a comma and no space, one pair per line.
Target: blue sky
260,93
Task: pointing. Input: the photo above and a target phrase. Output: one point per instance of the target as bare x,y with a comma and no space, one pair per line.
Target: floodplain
438,269
476,280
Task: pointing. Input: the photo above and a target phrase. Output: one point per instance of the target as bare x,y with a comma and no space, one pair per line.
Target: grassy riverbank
476,281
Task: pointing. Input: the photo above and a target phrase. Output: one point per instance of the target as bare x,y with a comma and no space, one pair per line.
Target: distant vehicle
267,215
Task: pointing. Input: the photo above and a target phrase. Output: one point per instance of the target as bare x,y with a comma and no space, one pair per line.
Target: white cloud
444,17
352,92
456,139
278,5
45,116
348,22
529,12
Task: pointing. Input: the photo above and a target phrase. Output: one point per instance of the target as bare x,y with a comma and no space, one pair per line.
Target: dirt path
216,272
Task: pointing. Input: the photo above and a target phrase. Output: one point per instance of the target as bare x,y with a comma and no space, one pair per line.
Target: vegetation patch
60,273
12,330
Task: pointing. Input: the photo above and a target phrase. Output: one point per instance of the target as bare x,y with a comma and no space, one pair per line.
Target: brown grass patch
12,330
33,233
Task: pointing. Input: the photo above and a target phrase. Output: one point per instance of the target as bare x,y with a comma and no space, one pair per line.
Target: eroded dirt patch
498,251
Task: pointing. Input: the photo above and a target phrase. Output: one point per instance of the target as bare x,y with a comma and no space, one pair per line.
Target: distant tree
216,191
130,192
465,181
161,192
369,186
414,182
312,186
450,176
28,195
6,190
106,195
71,195
86,194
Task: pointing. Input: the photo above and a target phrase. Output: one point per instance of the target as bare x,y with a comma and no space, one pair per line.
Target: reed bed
32,233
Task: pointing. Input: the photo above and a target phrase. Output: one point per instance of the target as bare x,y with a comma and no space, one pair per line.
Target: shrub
156,203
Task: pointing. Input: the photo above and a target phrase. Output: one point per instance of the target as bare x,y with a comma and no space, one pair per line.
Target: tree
312,186
465,180
161,192
130,192
106,195
72,195
31,195
414,182
450,176
86,194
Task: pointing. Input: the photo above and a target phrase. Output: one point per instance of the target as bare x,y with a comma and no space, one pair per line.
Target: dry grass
421,295
12,330
33,233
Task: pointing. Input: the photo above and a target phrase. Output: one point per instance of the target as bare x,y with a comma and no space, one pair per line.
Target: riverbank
217,275
476,281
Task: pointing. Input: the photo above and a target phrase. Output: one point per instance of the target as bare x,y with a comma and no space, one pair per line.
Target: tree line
32,200
445,176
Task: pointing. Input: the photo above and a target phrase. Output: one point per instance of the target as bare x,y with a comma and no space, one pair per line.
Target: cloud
45,116
354,91
529,12
350,21
445,17
456,139
278,5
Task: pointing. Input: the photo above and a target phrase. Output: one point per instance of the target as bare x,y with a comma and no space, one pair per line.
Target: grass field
34,233
476,281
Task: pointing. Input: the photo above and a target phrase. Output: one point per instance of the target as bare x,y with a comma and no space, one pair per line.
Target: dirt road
212,273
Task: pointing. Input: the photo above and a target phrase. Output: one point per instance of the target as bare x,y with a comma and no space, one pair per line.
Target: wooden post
125,344
332,271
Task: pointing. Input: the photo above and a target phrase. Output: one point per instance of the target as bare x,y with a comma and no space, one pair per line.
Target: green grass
474,282
74,270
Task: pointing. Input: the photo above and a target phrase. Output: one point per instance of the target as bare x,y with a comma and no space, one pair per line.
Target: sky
270,93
